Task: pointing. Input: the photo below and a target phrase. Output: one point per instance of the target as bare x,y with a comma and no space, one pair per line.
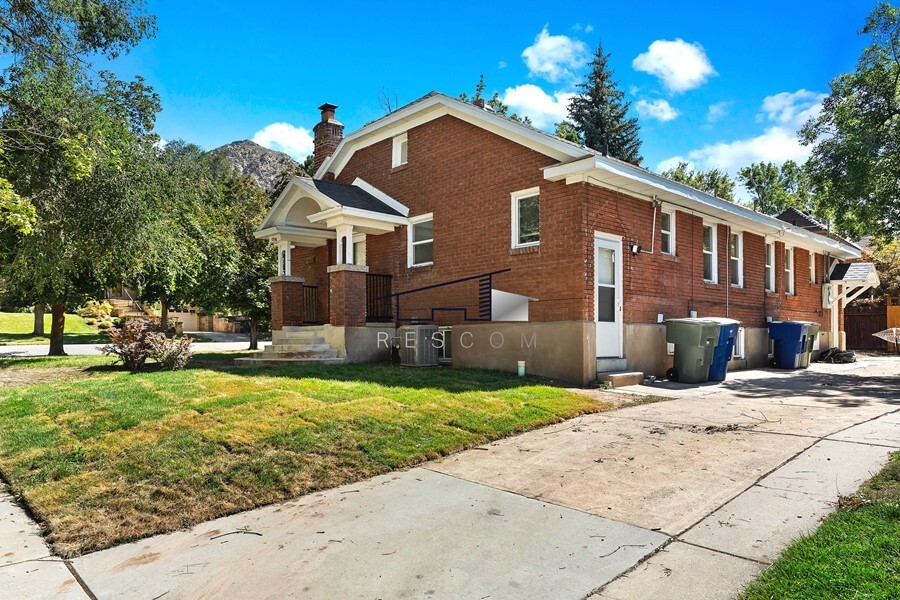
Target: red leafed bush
137,341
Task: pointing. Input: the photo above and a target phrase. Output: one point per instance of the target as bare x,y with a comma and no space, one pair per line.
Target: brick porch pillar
287,301
347,295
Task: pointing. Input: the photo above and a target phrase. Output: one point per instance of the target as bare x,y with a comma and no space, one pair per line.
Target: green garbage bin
695,340
811,337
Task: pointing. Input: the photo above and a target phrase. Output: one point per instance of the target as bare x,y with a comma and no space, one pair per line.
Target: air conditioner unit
418,346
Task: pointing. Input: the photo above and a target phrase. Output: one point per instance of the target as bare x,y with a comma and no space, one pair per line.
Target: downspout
656,204
727,267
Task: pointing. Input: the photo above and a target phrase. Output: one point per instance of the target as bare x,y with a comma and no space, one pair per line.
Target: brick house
442,201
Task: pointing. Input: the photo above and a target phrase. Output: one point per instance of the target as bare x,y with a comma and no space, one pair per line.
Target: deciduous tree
715,181
855,163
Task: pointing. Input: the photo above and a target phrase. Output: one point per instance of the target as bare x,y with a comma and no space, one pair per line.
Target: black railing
311,304
378,299
485,283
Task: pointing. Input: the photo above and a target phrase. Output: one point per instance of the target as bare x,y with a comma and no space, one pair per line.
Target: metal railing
311,305
485,283
378,298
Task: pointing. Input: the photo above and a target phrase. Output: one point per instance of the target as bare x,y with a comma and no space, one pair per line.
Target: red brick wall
347,290
311,264
287,304
464,175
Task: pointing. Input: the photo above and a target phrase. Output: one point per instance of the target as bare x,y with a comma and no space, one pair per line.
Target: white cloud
792,109
657,109
778,143
671,163
501,64
554,57
544,109
717,111
296,142
681,66
588,28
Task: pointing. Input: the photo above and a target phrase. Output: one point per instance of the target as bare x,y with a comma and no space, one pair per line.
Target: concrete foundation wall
360,344
563,350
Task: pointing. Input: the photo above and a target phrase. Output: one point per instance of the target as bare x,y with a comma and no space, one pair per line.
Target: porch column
287,301
347,295
345,244
284,258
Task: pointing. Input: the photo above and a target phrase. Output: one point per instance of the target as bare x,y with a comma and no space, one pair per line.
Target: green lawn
16,328
115,456
855,553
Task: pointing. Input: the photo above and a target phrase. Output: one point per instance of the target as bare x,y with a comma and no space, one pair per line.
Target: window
789,271
812,267
526,218
398,156
667,232
737,260
770,267
709,253
739,344
421,240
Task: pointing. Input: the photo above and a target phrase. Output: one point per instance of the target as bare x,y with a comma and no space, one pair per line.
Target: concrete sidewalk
686,498
231,342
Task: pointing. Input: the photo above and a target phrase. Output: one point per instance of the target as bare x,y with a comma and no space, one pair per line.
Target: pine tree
600,113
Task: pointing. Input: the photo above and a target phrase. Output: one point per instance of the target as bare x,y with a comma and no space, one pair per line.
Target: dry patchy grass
119,456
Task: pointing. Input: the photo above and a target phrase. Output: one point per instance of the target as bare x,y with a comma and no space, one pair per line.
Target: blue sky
722,84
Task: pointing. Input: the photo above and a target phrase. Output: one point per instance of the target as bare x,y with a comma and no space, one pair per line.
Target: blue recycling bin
790,342
728,330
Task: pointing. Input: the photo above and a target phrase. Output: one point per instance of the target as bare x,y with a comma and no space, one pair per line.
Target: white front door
608,295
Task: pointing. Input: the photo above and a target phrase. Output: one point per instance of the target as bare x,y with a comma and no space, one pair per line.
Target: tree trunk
164,315
39,310
254,337
57,328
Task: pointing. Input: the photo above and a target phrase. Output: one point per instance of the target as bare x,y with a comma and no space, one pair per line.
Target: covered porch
320,230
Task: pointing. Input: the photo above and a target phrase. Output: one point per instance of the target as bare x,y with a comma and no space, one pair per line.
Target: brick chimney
327,134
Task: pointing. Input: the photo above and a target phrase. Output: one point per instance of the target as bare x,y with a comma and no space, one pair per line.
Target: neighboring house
440,191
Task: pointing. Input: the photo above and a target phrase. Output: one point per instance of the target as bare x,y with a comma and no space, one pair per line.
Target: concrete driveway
686,498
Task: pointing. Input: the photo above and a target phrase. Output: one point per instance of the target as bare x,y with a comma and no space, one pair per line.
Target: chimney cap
328,106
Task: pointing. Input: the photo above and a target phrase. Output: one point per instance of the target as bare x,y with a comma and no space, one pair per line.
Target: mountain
263,165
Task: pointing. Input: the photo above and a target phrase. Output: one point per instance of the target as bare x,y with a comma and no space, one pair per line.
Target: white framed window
710,257
770,266
526,218
739,343
420,240
667,232
789,271
737,259
812,266
399,151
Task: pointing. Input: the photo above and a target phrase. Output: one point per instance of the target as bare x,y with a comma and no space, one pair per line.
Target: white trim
620,287
368,187
812,267
714,242
620,176
789,290
515,197
410,243
438,105
739,258
769,257
673,247
397,159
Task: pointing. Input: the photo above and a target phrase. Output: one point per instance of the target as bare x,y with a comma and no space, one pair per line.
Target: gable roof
353,196
801,219
579,161
854,272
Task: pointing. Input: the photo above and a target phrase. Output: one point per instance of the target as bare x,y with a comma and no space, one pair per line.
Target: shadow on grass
23,339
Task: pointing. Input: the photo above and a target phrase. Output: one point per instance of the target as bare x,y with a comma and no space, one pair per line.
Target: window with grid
667,232
709,253
421,241
737,260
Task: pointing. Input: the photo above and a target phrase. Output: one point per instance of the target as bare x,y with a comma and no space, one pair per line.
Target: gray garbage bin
812,335
695,341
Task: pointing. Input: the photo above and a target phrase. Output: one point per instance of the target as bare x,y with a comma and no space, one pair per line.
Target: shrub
172,354
104,325
90,321
96,310
129,343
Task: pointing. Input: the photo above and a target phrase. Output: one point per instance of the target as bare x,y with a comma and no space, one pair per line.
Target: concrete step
298,346
297,339
271,361
621,378
301,328
609,365
332,353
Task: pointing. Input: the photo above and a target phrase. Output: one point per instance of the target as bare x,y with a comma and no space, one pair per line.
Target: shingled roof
857,271
353,197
